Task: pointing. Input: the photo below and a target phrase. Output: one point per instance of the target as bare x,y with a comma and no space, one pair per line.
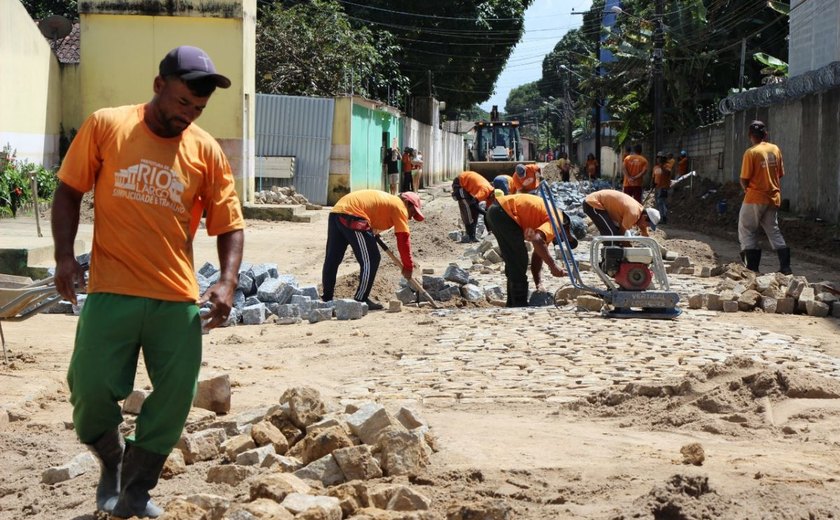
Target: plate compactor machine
631,267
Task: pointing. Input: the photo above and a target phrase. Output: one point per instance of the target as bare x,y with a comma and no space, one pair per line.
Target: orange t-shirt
529,212
145,189
661,177
382,210
527,183
476,185
591,167
762,168
622,209
682,166
634,165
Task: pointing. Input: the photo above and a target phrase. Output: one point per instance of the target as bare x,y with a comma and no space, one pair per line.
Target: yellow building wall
72,114
30,93
338,184
122,48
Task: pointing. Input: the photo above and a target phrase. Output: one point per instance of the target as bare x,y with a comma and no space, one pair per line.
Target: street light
658,45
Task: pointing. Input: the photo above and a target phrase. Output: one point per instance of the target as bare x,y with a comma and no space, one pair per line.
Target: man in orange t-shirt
526,178
153,172
470,189
614,212
761,172
635,166
355,220
515,219
661,185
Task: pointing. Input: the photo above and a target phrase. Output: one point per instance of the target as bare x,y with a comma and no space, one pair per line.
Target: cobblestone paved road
550,354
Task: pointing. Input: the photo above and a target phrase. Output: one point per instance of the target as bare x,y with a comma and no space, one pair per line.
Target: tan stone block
266,433
586,302
214,505
352,496
305,406
713,302
134,402
397,497
213,394
276,486
230,474
262,508
357,462
203,445
307,507
695,301
730,306
236,445
785,305
180,509
174,464
401,452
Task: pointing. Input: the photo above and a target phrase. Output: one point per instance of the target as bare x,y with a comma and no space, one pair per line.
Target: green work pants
112,330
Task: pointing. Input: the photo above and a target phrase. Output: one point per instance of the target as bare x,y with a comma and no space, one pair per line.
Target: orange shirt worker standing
355,220
635,167
152,171
761,172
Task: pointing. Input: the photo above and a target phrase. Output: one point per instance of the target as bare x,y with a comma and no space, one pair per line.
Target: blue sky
546,21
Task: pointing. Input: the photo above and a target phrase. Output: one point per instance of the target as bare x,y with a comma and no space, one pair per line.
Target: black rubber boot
784,260
109,450
373,306
753,257
470,236
140,472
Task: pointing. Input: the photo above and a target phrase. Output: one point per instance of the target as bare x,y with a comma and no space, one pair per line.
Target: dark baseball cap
190,63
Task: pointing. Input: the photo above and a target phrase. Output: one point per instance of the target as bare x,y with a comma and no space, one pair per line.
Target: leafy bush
16,181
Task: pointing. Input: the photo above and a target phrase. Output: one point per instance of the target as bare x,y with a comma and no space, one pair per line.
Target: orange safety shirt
682,166
146,187
529,212
634,165
382,210
476,185
622,209
527,183
661,177
762,168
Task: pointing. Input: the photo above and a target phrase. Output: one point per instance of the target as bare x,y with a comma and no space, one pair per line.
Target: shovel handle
411,281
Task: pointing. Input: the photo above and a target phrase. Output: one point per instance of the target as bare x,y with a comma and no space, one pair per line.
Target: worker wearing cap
614,213
515,219
661,185
503,183
355,220
635,167
526,178
761,172
470,189
154,173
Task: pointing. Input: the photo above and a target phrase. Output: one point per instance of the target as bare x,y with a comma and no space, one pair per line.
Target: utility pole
596,103
570,114
658,44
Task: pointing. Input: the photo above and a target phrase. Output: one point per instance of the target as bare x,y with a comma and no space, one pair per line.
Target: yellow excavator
497,147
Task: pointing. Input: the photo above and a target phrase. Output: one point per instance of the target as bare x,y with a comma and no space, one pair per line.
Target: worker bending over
526,178
470,189
355,220
517,218
614,212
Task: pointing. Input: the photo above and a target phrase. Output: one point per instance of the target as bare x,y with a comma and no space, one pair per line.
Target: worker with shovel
515,219
470,189
356,220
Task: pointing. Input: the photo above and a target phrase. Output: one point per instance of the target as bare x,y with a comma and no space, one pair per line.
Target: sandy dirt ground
556,413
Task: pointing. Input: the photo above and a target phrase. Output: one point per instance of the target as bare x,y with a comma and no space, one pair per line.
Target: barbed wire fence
824,78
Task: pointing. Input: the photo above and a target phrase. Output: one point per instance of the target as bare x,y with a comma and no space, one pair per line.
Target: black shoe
784,260
140,473
373,306
109,450
753,257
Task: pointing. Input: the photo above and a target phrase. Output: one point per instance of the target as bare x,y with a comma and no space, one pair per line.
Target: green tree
453,50
40,9
313,49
